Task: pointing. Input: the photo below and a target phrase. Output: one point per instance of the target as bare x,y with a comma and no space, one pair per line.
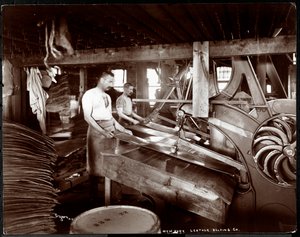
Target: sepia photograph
134,118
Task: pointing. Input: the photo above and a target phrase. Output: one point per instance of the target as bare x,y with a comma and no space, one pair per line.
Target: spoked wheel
274,149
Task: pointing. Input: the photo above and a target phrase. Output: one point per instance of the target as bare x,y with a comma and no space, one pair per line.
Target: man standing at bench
125,109
97,110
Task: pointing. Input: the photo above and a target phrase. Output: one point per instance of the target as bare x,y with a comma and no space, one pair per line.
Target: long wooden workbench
198,189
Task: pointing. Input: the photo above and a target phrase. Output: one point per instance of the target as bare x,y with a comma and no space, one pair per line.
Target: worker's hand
135,122
119,127
128,131
146,120
176,129
108,134
142,120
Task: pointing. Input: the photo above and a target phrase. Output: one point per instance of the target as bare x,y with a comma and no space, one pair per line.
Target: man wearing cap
124,107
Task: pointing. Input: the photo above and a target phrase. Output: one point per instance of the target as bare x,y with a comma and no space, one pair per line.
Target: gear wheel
274,150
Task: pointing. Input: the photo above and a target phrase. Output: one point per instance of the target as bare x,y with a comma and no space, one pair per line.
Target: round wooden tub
116,219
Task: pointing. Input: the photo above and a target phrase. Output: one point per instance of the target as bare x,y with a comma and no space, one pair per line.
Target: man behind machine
124,107
97,111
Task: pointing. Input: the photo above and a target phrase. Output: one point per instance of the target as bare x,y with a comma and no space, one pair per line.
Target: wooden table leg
107,191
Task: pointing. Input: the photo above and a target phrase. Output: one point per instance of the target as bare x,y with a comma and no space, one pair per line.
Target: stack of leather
59,96
28,193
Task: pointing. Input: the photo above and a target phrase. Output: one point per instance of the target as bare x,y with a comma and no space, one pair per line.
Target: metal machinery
265,139
253,142
259,144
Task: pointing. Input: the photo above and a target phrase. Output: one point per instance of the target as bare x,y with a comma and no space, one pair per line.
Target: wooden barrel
116,219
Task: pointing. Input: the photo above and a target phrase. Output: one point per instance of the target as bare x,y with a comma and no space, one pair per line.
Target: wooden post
131,78
16,98
166,72
142,88
6,107
200,79
107,191
276,80
261,71
7,88
131,75
292,79
82,83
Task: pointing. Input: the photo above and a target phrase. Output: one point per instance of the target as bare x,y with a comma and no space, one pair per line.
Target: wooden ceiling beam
153,23
134,23
192,22
217,49
176,21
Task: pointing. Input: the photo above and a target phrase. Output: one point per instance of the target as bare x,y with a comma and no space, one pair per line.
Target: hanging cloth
37,96
7,79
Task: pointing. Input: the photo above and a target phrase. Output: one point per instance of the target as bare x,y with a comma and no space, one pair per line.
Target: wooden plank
69,147
187,152
223,186
163,100
200,79
107,191
142,88
141,155
68,174
125,148
248,47
275,79
16,98
185,127
149,180
67,184
204,152
82,82
278,45
175,166
208,180
158,161
7,108
190,172
154,129
261,71
126,54
292,82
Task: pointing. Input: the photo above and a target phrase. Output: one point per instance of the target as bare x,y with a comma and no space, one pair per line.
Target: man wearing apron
124,107
97,109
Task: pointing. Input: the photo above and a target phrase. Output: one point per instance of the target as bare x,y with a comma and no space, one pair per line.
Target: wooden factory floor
173,220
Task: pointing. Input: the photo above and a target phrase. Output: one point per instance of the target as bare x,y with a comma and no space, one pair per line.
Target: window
223,77
153,84
120,78
269,89
294,58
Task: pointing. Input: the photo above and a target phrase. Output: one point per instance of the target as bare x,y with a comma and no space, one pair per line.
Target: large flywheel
274,149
